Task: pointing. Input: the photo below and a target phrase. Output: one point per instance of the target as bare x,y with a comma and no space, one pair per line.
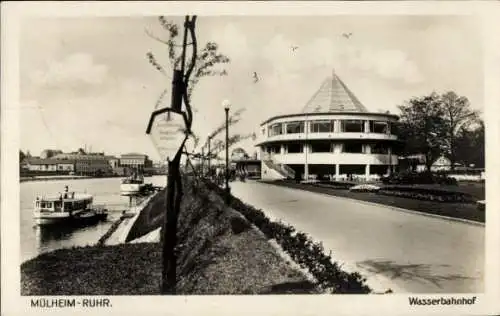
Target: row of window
329,148
327,126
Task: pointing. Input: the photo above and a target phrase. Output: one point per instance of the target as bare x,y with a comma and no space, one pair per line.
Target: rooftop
133,155
333,96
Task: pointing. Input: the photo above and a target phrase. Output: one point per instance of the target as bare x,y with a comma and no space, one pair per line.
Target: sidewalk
120,234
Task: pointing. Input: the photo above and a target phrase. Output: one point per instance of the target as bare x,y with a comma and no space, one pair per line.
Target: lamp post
209,158
226,105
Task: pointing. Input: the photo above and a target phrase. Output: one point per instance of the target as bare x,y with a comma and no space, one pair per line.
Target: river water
106,191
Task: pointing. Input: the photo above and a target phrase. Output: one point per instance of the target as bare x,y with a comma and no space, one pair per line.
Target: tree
421,127
470,146
205,64
457,117
21,156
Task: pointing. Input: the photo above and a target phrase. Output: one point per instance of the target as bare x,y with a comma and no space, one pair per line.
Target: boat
132,185
68,208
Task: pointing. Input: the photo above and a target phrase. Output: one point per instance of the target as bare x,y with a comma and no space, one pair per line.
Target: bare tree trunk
169,233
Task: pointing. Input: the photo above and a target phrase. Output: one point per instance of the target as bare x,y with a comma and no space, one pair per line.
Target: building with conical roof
333,96
333,136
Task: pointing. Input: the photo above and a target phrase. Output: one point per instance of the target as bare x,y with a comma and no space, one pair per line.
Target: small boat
132,185
70,207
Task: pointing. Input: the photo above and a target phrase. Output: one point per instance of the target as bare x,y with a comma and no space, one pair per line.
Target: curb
452,219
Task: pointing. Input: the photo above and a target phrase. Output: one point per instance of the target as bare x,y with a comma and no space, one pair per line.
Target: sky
87,82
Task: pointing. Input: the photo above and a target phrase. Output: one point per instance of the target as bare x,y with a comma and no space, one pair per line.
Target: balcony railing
327,136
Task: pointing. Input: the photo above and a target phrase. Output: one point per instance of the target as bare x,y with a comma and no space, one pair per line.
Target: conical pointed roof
333,96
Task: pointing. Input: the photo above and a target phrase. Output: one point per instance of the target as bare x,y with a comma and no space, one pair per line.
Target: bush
427,194
419,178
307,253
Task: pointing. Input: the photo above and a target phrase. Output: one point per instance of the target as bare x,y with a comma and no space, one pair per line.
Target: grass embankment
466,211
219,253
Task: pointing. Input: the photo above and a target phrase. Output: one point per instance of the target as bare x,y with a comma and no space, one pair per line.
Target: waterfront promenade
407,252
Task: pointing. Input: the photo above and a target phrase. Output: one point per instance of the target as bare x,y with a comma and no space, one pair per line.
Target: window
321,127
379,127
295,127
380,149
324,147
352,126
295,148
57,205
274,149
355,148
275,129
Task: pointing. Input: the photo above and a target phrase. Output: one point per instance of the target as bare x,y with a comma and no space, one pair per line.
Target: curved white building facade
333,136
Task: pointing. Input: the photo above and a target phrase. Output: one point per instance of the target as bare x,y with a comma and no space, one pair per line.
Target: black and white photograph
213,153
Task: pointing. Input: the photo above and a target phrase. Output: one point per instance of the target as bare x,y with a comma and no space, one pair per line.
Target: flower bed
307,253
427,194
365,188
419,178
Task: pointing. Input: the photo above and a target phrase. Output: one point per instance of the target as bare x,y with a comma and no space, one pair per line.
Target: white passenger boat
132,185
68,207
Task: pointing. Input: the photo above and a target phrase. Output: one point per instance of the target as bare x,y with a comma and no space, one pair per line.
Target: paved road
409,252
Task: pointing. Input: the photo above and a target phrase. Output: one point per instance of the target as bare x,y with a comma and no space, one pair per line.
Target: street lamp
209,157
226,104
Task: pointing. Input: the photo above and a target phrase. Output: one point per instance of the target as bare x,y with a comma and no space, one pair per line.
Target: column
367,127
367,172
337,171
390,168
282,149
306,165
336,126
368,149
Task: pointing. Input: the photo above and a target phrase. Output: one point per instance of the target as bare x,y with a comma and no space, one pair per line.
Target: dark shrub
426,177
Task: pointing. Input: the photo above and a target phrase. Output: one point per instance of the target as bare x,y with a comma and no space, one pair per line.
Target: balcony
326,136
335,158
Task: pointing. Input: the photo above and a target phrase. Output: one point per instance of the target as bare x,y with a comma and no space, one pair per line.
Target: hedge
427,194
302,249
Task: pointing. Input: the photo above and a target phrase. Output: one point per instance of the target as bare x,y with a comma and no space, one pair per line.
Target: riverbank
62,177
220,252
465,211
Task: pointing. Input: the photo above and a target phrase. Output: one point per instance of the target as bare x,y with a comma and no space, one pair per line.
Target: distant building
44,165
135,161
87,164
66,166
443,164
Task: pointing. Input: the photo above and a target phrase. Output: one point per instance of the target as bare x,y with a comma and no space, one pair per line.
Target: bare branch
148,33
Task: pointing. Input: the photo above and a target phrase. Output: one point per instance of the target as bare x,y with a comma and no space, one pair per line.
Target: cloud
74,70
387,63
324,53
232,41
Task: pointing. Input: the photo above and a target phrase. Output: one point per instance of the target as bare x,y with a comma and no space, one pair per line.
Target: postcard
250,158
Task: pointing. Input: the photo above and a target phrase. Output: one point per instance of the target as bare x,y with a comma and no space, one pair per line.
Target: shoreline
141,258
58,178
